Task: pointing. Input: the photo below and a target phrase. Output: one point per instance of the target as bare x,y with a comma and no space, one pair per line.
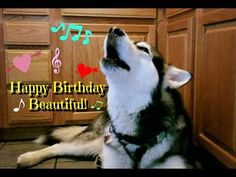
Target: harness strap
124,140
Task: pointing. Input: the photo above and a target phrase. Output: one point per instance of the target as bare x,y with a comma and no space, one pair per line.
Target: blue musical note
88,33
72,27
54,29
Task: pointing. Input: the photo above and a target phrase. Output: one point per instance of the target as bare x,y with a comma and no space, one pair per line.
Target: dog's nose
116,31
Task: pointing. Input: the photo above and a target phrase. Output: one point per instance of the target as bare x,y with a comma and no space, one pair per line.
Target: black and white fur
145,125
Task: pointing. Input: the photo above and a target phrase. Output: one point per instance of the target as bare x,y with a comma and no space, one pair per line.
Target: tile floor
9,151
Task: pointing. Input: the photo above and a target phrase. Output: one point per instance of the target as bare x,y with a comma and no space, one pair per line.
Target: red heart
83,70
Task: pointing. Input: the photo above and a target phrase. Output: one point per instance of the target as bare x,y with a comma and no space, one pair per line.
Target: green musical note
88,33
72,27
55,29
97,106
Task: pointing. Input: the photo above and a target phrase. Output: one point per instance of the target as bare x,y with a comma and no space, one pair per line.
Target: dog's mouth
112,58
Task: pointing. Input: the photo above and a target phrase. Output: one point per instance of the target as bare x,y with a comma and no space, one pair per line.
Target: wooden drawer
25,115
101,12
39,69
26,11
25,33
176,11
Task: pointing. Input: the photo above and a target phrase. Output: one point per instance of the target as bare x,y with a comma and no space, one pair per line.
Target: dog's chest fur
125,108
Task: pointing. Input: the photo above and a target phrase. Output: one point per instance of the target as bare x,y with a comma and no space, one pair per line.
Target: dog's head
137,63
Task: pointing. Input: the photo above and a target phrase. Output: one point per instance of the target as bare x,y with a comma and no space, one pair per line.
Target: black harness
144,144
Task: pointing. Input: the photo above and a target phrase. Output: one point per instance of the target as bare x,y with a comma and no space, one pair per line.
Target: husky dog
145,125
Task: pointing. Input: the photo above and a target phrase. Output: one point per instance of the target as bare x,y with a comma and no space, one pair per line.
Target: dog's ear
175,77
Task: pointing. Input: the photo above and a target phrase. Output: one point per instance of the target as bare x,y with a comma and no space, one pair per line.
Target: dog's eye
143,49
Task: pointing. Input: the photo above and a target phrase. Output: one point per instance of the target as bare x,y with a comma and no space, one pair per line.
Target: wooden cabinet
203,41
24,116
215,78
24,32
18,33
110,13
180,53
26,11
28,30
39,70
176,44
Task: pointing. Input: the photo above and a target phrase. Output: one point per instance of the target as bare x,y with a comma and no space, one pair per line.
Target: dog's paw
27,159
98,162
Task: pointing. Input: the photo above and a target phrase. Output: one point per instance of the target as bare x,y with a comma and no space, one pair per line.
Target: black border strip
112,172
118,3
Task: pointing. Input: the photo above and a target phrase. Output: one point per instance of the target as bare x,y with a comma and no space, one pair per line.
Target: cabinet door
27,11
109,12
75,53
180,53
170,12
21,36
39,71
215,88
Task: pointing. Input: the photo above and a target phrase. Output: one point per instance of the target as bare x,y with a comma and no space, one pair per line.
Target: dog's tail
63,134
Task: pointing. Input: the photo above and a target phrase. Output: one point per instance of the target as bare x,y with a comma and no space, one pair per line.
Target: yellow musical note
97,105
18,108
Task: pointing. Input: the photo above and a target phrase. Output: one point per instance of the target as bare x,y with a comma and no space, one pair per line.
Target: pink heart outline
22,62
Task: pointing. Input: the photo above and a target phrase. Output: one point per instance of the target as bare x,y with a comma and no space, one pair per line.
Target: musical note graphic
18,108
54,29
97,106
72,27
88,33
56,63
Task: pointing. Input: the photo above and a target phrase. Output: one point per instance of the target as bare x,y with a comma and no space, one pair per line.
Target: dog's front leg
89,148
114,155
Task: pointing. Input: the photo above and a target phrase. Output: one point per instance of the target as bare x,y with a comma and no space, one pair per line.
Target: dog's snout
116,31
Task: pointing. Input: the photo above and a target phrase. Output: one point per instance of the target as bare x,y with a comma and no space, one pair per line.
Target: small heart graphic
22,63
83,70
